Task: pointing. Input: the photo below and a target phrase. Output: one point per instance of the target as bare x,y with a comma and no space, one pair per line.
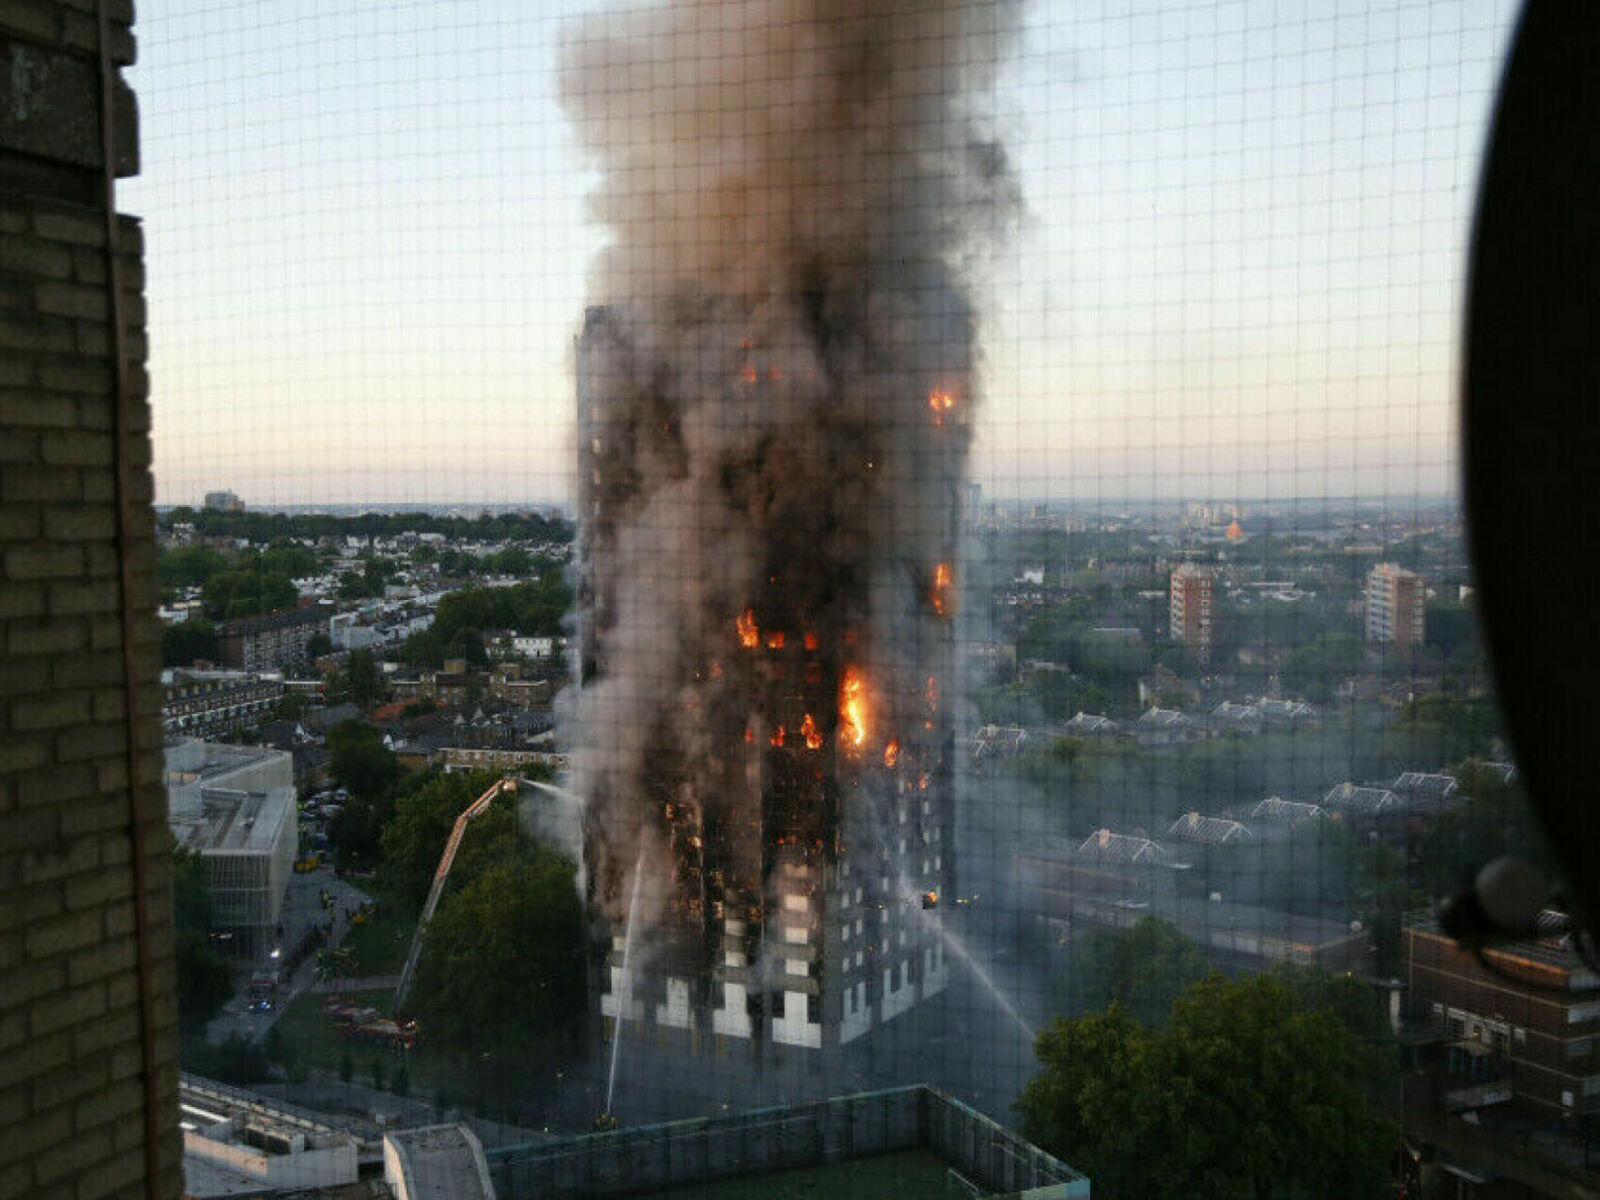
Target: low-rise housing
1091,725
1289,812
1107,848
209,704
1355,800
1420,786
1229,717
1166,727
1209,831
997,741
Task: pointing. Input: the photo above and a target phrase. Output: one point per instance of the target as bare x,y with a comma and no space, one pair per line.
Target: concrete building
436,1161
271,642
1235,937
928,1143
238,1144
1396,600
1190,610
235,805
223,502
1532,1005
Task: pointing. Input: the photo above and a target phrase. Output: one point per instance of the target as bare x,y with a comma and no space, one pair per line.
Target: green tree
359,760
205,976
186,641
361,680
414,837
284,557
292,707
513,560
468,644
1494,820
188,566
1142,970
247,591
1317,669
1250,1092
423,649
238,1060
205,979
317,645
1452,727
503,955
191,890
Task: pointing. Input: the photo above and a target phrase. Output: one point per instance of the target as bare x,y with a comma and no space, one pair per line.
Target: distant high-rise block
1191,610
1396,599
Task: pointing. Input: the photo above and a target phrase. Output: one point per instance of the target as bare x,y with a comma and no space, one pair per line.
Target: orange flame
932,694
747,373
940,595
809,731
749,635
941,402
853,708
777,736
891,752
811,640
749,735
775,640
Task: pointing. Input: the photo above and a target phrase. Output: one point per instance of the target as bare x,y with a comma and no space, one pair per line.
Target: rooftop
1276,808
1551,948
1192,827
228,799
443,1161
1104,846
907,1141
1351,797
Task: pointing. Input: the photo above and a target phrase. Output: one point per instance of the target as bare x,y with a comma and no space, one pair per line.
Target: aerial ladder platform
501,787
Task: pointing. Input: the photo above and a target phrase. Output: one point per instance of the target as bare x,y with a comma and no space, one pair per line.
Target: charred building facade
775,389
772,818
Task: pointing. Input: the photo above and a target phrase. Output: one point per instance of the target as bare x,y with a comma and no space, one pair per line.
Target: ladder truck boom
477,808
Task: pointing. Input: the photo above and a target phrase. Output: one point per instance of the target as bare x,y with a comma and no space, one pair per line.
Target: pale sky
1239,275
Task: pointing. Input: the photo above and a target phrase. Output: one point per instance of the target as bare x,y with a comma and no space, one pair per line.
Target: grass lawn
309,1031
380,943
310,1034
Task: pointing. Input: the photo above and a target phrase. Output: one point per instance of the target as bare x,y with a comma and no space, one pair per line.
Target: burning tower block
766,642
775,390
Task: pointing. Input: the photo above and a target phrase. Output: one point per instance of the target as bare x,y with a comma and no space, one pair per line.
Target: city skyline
1238,271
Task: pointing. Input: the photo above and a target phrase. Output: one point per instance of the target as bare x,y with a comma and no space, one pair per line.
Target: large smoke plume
777,386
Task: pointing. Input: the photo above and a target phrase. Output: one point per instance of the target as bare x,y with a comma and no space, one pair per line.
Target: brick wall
87,1009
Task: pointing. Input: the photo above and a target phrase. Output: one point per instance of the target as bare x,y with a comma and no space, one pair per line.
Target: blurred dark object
1531,422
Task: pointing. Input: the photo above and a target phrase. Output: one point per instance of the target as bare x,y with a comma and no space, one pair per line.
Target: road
302,908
